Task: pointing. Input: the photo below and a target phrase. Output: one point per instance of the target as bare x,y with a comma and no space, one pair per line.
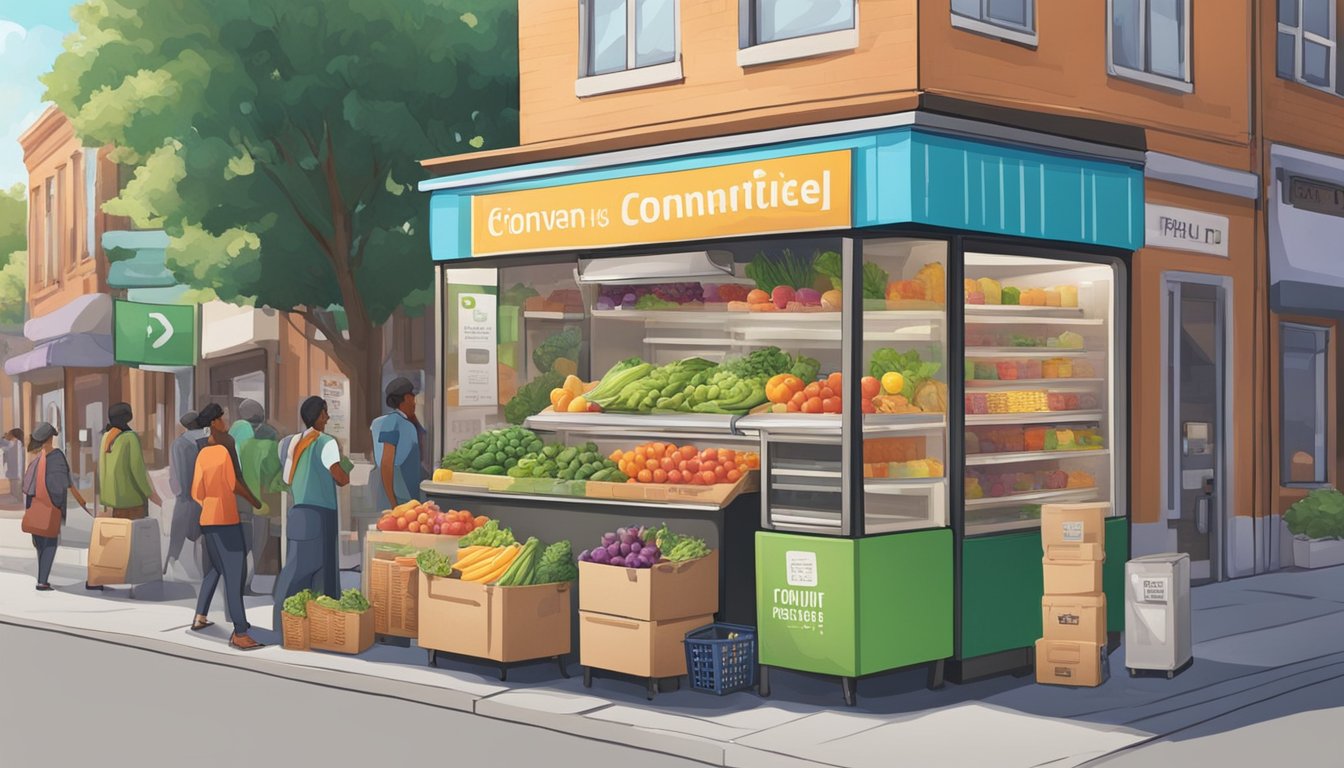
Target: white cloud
25,54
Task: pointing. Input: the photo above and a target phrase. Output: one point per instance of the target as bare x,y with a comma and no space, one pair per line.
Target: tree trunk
362,364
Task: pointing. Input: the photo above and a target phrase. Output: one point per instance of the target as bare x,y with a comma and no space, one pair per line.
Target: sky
31,32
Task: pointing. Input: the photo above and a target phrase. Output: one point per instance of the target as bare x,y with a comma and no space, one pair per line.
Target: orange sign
787,194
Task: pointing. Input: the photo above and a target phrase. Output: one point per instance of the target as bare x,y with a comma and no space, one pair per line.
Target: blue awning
75,350
87,314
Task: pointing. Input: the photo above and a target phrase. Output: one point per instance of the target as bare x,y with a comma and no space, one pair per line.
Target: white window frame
631,77
1299,34
1183,84
1322,398
754,54
987,26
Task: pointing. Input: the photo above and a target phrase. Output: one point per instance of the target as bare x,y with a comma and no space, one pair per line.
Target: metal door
1195,424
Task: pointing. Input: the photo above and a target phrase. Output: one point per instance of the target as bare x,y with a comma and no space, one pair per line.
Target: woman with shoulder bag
45,485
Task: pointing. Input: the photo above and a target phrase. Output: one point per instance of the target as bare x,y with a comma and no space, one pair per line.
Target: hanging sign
786,194
1185,230
335,389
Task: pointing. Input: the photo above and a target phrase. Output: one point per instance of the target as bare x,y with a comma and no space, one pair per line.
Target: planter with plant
1317,525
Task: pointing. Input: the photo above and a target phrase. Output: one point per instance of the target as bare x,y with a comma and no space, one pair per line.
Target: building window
1302,394
780,30
1013,20
1306,48
50,228
627,44
1149,41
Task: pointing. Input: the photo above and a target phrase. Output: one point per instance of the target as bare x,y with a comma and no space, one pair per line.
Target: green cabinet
853,607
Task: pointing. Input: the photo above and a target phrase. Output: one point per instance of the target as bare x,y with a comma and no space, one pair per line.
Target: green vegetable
677,548
908,364
489,535
620,376
828,264
297,605
353,601
1318,515
806,368
563,344
557,564
493,452
787,269
522,570
328,602
435,563
649,301
398,550
533,397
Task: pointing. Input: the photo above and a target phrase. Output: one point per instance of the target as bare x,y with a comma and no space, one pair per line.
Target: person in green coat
260,462
251,417
124,488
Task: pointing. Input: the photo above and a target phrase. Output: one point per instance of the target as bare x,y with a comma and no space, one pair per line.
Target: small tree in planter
1317,525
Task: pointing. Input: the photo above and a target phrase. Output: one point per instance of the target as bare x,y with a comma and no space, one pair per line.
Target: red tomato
402,524
651,464
812,390
413,527
666,465
727,455
708,477
826,393
813,405
674,476
659,476
644,476
830,405
835,380
870,387
387,524
720,473
681,465
688,451
734,475
797,400
693,465
710,454
479,521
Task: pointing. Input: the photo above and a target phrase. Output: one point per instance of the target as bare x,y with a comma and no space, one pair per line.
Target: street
128,706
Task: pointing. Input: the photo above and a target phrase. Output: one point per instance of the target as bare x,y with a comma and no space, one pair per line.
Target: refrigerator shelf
1033,497
1017,457
1041,417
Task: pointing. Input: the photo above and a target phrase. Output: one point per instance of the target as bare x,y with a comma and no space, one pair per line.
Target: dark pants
226,556
311,561
46,555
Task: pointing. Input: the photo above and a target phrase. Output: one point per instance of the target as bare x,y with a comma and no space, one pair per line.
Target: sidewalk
1256,639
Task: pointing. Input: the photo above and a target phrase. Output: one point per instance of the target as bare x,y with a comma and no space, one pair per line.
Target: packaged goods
1011,296
992,291
1068,295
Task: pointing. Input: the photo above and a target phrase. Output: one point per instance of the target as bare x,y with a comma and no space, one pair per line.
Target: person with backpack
45,485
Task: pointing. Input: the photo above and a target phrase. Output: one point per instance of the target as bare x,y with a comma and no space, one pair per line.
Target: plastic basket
719,664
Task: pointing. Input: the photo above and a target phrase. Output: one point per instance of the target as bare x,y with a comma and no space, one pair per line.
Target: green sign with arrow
154,334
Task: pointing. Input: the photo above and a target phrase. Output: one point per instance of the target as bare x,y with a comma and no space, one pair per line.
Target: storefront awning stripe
76,350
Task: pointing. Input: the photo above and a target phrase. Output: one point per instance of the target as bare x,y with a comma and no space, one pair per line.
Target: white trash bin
1157,614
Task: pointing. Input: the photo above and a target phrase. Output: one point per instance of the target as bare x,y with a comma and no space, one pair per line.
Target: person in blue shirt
396,446
312,468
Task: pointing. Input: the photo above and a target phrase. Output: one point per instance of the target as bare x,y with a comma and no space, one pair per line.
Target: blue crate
720,665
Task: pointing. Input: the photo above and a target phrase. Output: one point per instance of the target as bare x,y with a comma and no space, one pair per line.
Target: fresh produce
1318,515
297,604
490,568
493,452
893,383
677,548
781,296
832,300
354,601
782,387
934,278
523,570
565,344
809,297
442,475
788,270
805,368
531,399
685,465
913,370
569,396
434,563
557,564
562,462
870,387
758,296
828,264
626,547
489,534
426,517
621,375
931,396
650,301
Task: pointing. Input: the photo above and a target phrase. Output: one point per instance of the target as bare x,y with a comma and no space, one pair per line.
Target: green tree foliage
276,141
13,222
13,288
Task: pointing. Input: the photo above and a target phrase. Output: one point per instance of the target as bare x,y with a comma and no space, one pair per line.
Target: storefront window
1303,394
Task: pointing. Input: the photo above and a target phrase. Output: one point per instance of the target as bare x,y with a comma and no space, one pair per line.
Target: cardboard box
665,591
445,544
1074,523
1075,552
394,588
491,622
1072,577
1064,662
339,631
124,551
634,647
1080,618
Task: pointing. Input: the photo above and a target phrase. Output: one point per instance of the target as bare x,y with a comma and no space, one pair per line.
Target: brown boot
244,643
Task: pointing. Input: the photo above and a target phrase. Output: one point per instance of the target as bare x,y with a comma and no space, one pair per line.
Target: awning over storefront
91,313
910,168
76,350
1306,226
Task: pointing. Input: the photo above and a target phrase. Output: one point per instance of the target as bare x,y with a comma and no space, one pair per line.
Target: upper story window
780,30
1013,20
50,239
1306,47
1149,41
627,44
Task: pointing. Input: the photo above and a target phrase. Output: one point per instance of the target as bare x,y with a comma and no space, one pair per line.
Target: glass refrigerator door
1041,394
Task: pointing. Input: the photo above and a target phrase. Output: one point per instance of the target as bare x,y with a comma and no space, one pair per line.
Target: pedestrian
124,487
45,485
261,472
251,414
313,469
186,522
396,441
11,448
251,417
216,484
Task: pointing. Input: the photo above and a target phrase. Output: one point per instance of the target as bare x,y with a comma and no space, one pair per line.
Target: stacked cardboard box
633,620
1073,610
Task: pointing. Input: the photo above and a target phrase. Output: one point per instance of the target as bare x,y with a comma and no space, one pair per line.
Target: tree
13,257
276,142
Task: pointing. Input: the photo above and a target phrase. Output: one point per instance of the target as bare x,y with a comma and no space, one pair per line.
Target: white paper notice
802,568
335,389
478,378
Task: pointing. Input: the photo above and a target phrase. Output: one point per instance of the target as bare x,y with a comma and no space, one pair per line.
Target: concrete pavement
1260,640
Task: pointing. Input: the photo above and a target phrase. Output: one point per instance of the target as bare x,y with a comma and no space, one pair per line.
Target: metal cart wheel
587,677
763,682
936,675
850,687
560,662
